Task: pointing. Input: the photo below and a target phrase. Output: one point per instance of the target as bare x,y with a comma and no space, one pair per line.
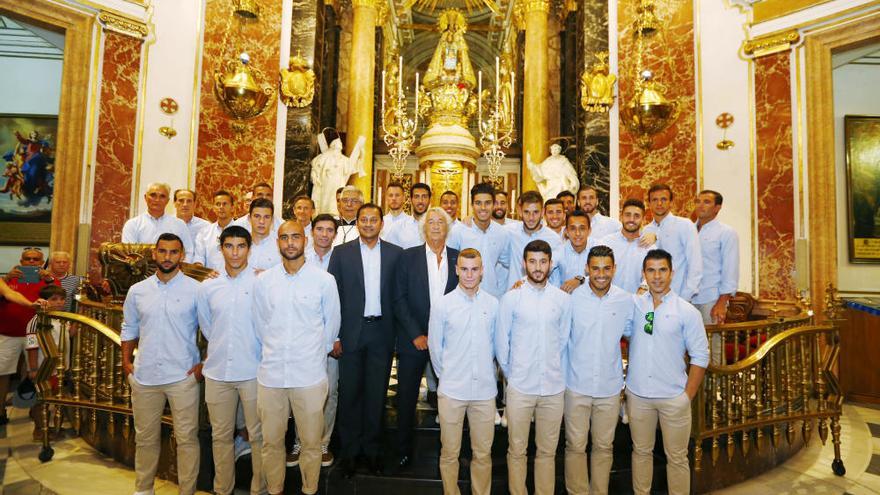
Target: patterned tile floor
77,469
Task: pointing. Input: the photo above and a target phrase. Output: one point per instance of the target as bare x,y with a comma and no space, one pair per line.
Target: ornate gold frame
820,143
78,27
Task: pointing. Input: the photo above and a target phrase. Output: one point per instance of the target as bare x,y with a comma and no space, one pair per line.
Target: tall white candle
512,99
497,82
400,75
383,96
417,100
480,101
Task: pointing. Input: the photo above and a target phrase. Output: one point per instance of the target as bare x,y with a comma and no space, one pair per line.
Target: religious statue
331,170
555,174
597,86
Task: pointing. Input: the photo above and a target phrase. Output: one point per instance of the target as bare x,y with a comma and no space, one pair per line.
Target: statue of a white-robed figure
555,174
331,170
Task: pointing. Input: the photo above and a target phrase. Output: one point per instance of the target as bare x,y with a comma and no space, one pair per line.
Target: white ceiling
22,40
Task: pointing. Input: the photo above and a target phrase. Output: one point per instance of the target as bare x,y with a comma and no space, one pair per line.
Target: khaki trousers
548,411
332,401
307,405
582,412
481,424
223,400
716,346
148,404
674,415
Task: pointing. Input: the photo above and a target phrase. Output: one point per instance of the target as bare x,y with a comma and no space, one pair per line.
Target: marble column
360,91
535,105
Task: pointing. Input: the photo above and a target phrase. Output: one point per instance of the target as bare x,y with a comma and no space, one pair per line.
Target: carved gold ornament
774,43
597,86
123,25
724,121
297,83
241,90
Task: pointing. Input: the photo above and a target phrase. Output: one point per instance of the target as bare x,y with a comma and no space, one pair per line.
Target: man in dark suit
424,274
364,272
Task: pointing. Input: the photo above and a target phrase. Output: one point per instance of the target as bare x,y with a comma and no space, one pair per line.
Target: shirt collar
368,248
429,252
171,282
465,296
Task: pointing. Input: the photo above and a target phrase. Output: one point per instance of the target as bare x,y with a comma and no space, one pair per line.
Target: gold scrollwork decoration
296,85
597,86
123,25
774,43
529,6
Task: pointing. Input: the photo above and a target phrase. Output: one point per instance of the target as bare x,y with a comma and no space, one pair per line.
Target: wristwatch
580,278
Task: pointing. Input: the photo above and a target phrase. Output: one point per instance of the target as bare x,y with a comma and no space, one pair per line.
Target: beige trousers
332,401
548,411
716,346
307,405
223,400
581,413
674,415
481,424
148,404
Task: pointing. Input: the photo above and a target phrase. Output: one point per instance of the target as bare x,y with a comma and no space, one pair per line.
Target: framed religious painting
27,145
862,138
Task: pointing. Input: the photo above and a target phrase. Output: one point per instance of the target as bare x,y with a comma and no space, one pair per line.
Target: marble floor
77,469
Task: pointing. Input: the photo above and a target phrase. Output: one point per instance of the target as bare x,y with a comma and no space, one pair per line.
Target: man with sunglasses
659,383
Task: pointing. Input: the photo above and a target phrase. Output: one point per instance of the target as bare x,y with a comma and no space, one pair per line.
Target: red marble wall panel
114,156
775,179
669,54
227,159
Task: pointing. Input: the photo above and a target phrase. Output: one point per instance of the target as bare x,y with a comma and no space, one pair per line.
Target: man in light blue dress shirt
486,236
588,202
532,228
264,249
406,232
659,384
461,333
573,259
208,243
629,246
601,315
719,245
184,207
530,338
677,236
230,370
297,318
160,319
149,225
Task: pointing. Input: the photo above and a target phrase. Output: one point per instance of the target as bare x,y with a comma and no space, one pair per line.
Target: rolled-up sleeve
130,318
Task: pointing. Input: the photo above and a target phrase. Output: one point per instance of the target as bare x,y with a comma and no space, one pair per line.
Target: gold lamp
241,90
648,112
247,9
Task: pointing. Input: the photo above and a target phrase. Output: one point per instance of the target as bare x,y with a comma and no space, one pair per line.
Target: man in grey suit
364,272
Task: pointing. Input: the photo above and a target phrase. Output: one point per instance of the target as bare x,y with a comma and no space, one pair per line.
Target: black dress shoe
374,464
348,467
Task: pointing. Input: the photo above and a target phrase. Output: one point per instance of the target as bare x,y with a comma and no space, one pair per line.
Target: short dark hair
261,203
235,231
482,188
553,201
469,253
638,203
420,185
587,187
579,214
394,184
177,191
324,217
657,254
600,251
367,206
261,184
49,291
447,193
501,192
565,194
303,197
168,236
339,190
223,192
660,187
530,197
719,199
538,246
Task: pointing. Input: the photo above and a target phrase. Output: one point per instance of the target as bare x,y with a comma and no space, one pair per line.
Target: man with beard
532,229
531,334
226,320
554,214
488,237
568,202
461,335
364,271
406,233
160,319
500,209
424,274
628,246
601,315
296,313
573,258
149,225
184,206
660,384
264,251
350,200
588,202
677,236
394,201
208,251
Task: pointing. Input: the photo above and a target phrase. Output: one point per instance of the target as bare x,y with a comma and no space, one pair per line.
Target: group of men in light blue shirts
547,307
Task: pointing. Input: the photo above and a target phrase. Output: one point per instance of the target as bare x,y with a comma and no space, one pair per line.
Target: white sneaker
497,418
241,447
293,456
503,419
